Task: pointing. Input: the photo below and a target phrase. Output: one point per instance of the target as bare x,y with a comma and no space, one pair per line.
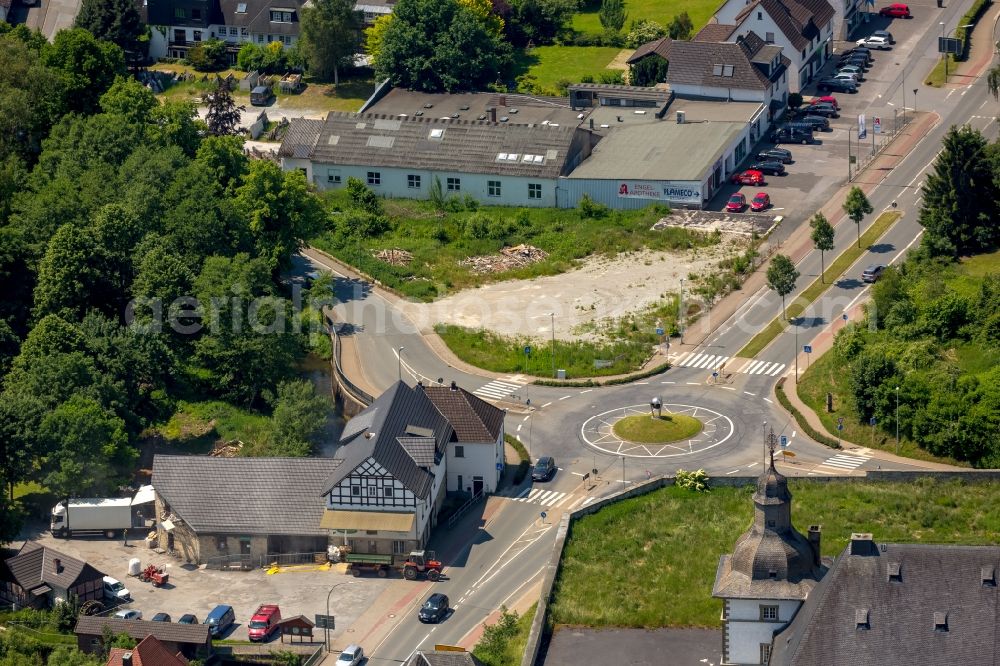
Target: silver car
352,655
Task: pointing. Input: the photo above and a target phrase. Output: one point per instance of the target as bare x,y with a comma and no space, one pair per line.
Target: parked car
858,72
352,655
261,96
161,617
545,469
825,110
736,203
858,60
782,154
885,34
114,590
264,621
434,609
873,42
845,76
760,202
838,85
187,618
810,124
872,273
859,50
129,614
826,99
220,619
792,135
748,177
772,167
896,10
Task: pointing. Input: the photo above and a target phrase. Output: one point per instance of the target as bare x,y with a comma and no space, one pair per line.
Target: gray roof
301,138
659,47
519,109
400,413
246,495
744,64
195,634
799,20
422,450
458,146
443,658
714,32
934,579
473,419
34,566
257,17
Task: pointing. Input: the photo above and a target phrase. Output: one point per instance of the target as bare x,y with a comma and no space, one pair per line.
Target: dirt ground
601,288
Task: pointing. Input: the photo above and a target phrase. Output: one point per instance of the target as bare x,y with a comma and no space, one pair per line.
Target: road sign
325,622
871,421
807,349
949,45
544,515
877,125
527,350
715,374
784,441
499,467
659,331
840,423
844,316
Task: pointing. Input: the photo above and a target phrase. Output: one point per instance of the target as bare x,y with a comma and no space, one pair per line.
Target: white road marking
768,400
497,389
565,397
546,405
749,393
732,472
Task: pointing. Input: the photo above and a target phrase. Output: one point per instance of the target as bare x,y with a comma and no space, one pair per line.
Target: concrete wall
478,460
745,631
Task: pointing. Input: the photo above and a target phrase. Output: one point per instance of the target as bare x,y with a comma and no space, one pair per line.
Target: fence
462,510
868,152
230,562
289,559
355,392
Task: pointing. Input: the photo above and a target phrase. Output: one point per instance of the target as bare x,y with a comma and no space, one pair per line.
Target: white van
114,590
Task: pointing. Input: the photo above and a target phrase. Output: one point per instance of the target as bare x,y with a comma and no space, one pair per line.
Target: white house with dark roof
39,577
802,28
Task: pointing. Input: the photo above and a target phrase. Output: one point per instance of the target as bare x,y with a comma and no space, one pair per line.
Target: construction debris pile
508,259
230,449
394,257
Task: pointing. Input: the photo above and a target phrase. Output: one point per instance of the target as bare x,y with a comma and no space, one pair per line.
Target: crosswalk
498,389
553,498
843,462
705,361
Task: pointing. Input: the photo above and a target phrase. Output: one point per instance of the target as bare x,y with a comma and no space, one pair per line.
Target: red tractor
155,575
422,562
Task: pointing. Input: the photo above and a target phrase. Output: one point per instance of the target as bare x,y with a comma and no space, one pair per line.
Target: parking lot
194,590
820,169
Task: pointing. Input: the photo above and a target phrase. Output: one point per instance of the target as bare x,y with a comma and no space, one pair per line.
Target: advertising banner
661,191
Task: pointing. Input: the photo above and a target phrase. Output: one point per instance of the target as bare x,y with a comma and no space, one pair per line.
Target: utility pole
796,325
552,316
680,312
897,420
399,362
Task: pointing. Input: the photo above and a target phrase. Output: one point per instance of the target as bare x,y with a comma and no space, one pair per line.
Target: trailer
419,562
108,515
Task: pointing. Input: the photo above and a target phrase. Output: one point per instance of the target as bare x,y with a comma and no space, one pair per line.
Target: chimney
493,114
454,386
862,544
127,658
57,563
814,534
681,117
503,100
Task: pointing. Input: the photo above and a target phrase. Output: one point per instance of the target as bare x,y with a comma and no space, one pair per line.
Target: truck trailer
108,515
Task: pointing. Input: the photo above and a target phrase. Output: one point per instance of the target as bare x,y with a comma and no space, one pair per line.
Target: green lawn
507,650
552,64
700,12
647,430
196,426
650,561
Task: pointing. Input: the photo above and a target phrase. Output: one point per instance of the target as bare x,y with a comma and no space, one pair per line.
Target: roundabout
631,431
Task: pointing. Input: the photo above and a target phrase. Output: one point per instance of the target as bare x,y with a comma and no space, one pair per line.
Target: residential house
802,28
149,652
177,25
475,459
39,577
373,9
240,511
192,641
649,61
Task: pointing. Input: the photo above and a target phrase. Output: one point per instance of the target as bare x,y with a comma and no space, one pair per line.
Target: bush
696,481
208,56
270,59
643,32
615,77
592,209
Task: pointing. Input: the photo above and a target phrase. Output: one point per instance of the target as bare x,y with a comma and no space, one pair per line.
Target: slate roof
458,146
245,495
660,47
695,63
149,652
257,17
799,20
34,567
714,32
443,658
421,449
473,419
901,614
192,634
394,415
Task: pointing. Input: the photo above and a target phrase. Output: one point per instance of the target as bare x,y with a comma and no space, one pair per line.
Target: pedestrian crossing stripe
553,499
845,461
497,389
706,361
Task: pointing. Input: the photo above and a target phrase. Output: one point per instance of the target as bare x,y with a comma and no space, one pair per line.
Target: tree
223,115
857,206
299,415
993,78
539,21
129,99
208,56
642,32
116,21
612,15
69,279
961,195
89,66
330,35
794,100
32,98
680,26
781,276
649,71
223,156
822,238
440,45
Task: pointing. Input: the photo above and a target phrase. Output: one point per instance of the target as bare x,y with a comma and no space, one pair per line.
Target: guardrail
357,393
462,510
865,156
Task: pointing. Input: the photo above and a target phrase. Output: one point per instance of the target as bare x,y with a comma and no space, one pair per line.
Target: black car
792,135
161,617
856,61
837,85
781,154
823,109
544,469
187,618
434,609
816,122
772,167
862,50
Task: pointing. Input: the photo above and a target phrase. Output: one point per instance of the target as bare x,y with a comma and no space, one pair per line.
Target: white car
352,655
130,614
873,42
115,591
846,76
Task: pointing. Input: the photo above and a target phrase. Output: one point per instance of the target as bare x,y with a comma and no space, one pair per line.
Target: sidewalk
984,37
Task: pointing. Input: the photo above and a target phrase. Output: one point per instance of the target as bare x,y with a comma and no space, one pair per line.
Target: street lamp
552,316
623,472
399,362
655,405
794,322
765,443
914,102
326,624
945,54
897,420
680,312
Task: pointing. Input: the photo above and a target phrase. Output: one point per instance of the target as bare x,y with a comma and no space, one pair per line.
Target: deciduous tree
680,26
612,15
330,36
89,66
857,206
69,279
116,21
822,238
299,415
223,114
781,277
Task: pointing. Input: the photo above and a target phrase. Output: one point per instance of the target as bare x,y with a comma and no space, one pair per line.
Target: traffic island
662,429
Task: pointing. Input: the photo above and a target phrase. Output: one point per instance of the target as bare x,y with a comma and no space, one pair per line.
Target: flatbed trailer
418,563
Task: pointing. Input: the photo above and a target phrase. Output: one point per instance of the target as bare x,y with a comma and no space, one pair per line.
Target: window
374,177
356,491
241,8
803,53
459,451
769,37
244,32
222,543
333,176
765,653
260,39
372,546
459,483
280,17
716,70
179,13
195,14
197,35
454,184
372,532
769,613
399,547
534,190
372,491
493,188
760,16
413,181
727,70
387,491
234,31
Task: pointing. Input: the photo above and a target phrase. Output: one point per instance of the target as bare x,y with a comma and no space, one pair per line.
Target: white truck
110,515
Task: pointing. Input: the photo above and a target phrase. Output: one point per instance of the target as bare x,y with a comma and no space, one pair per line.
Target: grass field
196,426
816,289
666,428
512,649
655,556
552,64
587,20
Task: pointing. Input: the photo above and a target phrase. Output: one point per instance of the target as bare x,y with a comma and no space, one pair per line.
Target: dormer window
894,572
940,621
241,8
861,618
989,576
281,16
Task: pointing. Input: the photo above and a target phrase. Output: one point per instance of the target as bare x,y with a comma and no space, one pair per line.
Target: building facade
475,460
40,577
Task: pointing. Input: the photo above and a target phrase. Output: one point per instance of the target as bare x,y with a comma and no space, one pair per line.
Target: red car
896,10
826,99
264,622
736,203
749,177
760,202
